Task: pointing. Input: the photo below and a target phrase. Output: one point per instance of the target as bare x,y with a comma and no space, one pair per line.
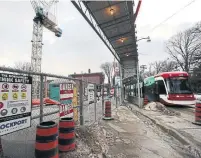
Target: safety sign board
90,88
66,97
14,125
15,102
66,91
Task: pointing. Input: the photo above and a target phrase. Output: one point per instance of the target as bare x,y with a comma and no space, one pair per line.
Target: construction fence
58,96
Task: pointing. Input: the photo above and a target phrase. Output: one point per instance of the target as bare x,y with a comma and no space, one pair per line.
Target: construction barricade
197,113
66,134
47,140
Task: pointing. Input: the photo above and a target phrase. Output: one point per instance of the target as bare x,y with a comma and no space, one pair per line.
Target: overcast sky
80,48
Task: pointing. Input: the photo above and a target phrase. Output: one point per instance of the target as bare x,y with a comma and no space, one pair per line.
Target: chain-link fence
53,96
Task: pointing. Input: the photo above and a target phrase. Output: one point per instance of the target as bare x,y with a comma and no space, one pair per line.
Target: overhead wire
181,9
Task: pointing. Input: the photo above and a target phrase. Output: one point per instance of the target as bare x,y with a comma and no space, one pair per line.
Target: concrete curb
172,132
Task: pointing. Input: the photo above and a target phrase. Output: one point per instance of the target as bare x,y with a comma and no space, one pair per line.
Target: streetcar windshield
178,85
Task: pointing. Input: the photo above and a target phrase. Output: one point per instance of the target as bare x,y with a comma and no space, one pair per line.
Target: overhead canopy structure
113,21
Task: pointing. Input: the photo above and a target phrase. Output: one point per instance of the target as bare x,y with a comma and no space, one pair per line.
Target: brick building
96,77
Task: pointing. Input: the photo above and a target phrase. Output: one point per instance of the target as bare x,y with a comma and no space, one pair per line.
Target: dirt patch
157,106
87,145
91,142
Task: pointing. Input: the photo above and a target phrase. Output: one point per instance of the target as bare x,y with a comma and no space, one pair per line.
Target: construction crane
42,18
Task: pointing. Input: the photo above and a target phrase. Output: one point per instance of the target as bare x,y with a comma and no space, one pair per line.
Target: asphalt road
187,112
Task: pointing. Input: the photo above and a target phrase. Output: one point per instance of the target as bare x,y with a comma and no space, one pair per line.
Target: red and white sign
66,91
112,91
1,105
15,86
5,87
23,86
66,110
66,94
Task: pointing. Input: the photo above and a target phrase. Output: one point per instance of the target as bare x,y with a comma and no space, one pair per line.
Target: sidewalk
178,126
128,136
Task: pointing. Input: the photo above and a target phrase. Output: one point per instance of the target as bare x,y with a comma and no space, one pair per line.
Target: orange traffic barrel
66,134
47,140
108,111
146,100
198,113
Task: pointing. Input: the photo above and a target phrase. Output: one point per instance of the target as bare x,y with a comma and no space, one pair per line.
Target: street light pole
147,38
138,82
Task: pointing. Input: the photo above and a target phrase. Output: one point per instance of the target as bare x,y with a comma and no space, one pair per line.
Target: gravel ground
87,144
118,139
157,106
129,135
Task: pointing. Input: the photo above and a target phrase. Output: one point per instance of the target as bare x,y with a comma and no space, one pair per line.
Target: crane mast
42,19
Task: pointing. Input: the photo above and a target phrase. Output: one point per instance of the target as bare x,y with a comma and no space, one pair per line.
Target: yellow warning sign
5,96
75,111
15,96
23,95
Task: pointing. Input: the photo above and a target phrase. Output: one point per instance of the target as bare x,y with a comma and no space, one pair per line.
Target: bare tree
107,69
157,66
197,27
23,66
184,48
169,65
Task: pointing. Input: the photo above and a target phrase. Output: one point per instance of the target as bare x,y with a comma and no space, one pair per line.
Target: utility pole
143,67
